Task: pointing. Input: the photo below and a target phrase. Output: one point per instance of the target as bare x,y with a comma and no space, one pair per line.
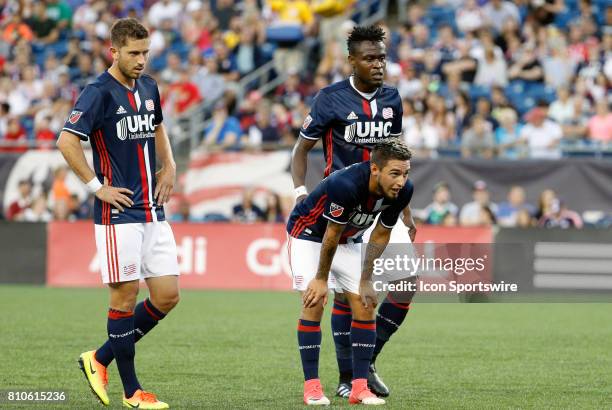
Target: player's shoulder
335,87
148,80
348,179
390,90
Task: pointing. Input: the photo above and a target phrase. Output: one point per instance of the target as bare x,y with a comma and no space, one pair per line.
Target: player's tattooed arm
299,163
379,239
70,147
317,287
166,176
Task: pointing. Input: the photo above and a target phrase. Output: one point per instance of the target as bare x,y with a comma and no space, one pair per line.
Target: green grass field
237,350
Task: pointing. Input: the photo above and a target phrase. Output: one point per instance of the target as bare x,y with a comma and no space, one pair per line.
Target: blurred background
507,106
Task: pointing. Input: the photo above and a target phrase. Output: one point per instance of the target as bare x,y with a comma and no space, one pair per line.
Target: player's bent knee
166,302
123,295
313,313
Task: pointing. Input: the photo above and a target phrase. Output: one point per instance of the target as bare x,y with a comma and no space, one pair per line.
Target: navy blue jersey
351,124
120,124
344,198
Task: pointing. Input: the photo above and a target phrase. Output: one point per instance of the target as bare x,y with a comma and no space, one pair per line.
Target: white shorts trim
304,262
136,251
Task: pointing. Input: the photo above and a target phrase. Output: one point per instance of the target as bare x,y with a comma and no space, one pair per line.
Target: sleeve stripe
395,135
308,138
383,224
333,220
75,132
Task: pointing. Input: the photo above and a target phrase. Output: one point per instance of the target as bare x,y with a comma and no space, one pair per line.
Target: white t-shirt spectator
496,17
539,139
562,112
492,73
423,135
164,10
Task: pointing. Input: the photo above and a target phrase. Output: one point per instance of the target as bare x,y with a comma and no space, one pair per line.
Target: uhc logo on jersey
136,126
367,131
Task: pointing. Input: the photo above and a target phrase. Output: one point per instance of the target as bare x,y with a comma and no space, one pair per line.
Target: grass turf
237,350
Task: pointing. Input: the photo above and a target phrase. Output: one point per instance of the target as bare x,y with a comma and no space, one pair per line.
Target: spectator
558,67
527,67
263,132
481,210
5,108
16,30
224,132
15,137
507,135
576,127
545,202
59,189
470,17
541,135
183,212
184,94
421,135
38,211
478,140
247,211
492,69
173,69
600,125
61,12
508,212
497,12
524,219
209,81
61,210
164,10
441,207
274,210
16,208
44,29
560,216
485,110
562,109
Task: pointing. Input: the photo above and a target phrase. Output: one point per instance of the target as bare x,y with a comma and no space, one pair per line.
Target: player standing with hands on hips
120,114
352,116
324,245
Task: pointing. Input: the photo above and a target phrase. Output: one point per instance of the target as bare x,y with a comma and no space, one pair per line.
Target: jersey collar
362,95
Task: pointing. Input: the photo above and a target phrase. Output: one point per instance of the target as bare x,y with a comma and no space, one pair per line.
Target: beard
127,73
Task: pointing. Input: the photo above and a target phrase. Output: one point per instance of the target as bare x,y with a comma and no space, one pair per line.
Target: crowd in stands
482,78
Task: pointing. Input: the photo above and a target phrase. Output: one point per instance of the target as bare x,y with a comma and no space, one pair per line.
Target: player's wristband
299,191
94,185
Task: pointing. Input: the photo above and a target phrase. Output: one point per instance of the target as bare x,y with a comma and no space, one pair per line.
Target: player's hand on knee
315,292
368,294
117,197
165,178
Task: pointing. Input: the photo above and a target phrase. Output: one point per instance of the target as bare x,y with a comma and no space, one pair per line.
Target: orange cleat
313,393
144,400
96,376
360,394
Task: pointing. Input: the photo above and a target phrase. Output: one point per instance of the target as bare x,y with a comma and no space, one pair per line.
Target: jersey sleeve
159,117
396,125
87,114
388,217
340,201
317,121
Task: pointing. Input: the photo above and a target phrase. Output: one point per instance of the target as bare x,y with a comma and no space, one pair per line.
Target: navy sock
363,338
390,316
121,335
309,342
341,329
146,317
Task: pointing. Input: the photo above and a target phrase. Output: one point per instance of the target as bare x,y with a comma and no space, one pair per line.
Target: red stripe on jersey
366,155
289,253
108,173
366,108
132,100
369,326
330,152
115,250
303,221
145,183
114,277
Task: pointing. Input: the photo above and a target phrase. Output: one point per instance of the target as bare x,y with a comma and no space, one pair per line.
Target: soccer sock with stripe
146,317
309,343
121,335
341,330
363,338
390,316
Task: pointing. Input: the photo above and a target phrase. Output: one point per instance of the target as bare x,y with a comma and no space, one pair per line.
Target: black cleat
343,390
375,383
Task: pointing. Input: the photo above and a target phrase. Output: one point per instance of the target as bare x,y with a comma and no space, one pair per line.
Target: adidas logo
121,110
352,116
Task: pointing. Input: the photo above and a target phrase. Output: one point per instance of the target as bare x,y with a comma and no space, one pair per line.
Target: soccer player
120,113
325,231
351,117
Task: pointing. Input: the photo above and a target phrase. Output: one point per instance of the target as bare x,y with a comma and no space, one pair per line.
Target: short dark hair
364,33
390,148
125,29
